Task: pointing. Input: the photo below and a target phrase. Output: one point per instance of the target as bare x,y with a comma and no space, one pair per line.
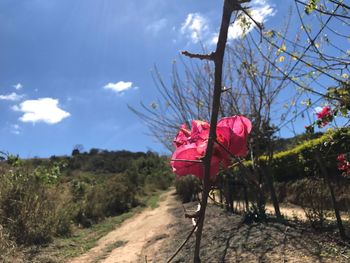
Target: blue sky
70,67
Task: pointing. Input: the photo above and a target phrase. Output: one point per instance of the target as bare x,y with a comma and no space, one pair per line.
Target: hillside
45,199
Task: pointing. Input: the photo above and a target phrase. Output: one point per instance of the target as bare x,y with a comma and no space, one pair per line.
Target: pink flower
200,131
325,112
341,157
324,115
198,134
343,164
192,152
232,133
191,146
182,136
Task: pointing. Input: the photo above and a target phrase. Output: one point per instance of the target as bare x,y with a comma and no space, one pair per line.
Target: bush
27,211
299,162
158,180
114,196
29,204
300,192
7,246
187,188
314,200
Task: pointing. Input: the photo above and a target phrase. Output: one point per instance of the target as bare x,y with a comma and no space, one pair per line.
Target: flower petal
187,152
182,136
234,131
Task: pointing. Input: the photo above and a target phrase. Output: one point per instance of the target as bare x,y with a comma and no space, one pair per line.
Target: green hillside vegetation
298,161
41,199
297,176
284,144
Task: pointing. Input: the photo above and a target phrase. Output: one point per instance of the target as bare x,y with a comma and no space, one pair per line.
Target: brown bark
273,195
218,57
331,190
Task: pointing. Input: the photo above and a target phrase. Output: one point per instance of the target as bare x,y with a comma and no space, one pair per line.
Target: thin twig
259,25
186,161
183,244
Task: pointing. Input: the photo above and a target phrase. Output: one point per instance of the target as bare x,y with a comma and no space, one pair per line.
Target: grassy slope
61,249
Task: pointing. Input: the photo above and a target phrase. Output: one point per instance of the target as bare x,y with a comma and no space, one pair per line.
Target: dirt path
135,239
290,211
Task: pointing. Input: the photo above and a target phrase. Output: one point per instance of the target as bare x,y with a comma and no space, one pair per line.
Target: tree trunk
218,58
261,200
230,196
245,192
221,195
331,190
273,193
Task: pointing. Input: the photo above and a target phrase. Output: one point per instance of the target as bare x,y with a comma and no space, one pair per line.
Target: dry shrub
7,246
187,188
114,196
29,204
314,200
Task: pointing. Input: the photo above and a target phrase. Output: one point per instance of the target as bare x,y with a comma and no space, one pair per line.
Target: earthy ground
226,239
137,238
154,235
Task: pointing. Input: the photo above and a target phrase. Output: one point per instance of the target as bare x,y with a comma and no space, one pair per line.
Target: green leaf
310,6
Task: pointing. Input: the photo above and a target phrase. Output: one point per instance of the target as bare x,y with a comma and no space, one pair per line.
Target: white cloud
18,86
157,26
41,110
119,86
12,96
260,11
195,27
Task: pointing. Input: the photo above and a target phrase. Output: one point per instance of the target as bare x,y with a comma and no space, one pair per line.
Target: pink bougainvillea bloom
343,164
182,136
233,133
200,131
324,115
341,157
192,152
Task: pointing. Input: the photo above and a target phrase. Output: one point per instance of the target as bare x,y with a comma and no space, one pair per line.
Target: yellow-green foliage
299,162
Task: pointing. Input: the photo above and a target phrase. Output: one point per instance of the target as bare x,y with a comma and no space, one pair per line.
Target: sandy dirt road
139,237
